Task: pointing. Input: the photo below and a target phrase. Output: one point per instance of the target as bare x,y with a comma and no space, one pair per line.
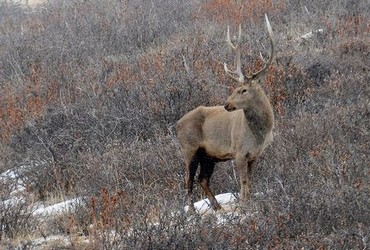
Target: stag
240,130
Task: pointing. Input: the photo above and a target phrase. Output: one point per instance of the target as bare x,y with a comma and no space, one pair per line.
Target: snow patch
12,177
12,201
31,3
204,206
312,33
57,208
49,239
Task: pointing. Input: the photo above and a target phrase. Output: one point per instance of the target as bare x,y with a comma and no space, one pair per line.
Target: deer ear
260,78
248,82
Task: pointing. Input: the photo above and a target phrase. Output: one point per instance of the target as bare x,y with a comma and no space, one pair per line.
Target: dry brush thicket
91,90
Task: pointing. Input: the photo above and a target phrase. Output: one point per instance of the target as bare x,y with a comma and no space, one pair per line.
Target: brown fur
240,130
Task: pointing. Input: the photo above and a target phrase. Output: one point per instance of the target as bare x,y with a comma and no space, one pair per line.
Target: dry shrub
91,100
238,11
16,220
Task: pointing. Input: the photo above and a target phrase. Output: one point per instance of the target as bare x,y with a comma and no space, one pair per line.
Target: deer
240,130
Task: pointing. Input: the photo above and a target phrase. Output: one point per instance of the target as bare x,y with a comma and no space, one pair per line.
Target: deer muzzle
229,107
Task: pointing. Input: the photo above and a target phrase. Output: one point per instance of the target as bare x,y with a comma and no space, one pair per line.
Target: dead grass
89,102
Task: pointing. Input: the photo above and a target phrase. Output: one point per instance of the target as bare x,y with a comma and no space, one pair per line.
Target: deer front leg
244,166
243,178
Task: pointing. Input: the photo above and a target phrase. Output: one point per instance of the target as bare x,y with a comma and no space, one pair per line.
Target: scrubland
91,92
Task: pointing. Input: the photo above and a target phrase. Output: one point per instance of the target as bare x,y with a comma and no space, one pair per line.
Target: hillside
90,95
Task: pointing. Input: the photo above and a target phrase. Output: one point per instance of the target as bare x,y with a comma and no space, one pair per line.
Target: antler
238,74
271,55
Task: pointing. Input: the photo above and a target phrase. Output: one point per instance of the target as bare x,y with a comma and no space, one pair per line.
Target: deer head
250,89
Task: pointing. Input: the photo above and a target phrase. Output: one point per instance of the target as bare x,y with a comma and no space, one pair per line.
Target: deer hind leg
192,163
207,166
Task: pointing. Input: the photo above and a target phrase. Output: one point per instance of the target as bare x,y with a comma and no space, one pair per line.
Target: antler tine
228,39
262,58
271,55
237,74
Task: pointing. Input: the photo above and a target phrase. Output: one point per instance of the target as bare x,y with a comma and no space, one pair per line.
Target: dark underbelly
202,153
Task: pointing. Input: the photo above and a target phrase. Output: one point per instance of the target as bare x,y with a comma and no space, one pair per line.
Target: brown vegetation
90,93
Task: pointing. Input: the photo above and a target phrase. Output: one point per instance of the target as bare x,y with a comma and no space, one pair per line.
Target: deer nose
229,107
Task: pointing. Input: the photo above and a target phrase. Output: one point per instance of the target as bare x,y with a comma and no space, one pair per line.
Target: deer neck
260,120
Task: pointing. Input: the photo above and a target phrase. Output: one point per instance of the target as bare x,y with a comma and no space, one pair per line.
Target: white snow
311,33
8,174
203,206
12,201
57,208
17,187
12,178
11,174
230,211
31,3
40,241
42,211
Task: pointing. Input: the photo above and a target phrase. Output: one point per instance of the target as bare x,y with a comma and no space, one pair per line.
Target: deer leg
206,170
191,169
243,165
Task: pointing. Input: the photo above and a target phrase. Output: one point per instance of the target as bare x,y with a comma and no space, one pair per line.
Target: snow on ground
12,179
43,211
61,240
17,195
312,33
11,201
57,208
225,200
231,209
31,3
